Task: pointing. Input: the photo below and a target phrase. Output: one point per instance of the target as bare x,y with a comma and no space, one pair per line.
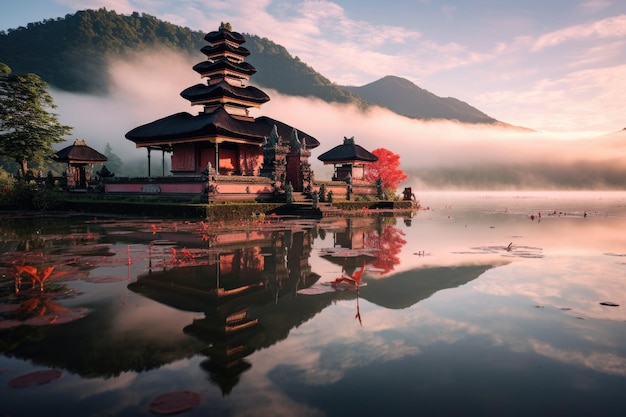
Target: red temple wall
184,158
206,156
245,160
250,159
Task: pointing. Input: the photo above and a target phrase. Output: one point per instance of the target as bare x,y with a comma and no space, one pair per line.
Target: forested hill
70,53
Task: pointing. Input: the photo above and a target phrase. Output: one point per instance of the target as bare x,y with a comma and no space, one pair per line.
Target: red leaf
358,274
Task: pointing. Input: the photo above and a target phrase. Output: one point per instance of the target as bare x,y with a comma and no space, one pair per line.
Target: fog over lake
436,154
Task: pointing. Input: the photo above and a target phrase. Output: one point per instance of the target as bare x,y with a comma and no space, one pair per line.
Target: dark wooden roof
284,131
221,35
79,153
348,151
210,50
183,127
205,67
200,92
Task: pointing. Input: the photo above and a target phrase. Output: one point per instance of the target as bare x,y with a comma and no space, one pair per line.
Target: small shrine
79,159
349,160
224,139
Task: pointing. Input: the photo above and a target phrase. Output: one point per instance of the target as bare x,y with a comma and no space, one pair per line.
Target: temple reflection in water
251,285
246,292
252,290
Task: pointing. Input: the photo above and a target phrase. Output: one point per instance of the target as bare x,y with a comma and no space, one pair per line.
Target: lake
479,304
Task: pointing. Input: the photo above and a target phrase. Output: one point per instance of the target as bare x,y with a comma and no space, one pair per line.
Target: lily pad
104,279
609,304
9,324
57,318
5,308
35,378
175,402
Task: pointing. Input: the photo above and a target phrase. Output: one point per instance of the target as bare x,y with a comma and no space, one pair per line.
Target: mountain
70,53
403,97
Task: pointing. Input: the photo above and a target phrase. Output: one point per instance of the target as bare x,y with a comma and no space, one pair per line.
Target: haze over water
481,303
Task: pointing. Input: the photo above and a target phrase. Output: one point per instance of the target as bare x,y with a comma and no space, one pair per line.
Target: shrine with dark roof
230,153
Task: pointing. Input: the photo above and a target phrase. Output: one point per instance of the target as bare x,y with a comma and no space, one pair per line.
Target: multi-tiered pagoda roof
226,100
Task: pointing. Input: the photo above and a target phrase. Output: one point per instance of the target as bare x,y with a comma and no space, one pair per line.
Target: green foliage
71,53
105,173
6,184
27,128
238,211
114,163
28,195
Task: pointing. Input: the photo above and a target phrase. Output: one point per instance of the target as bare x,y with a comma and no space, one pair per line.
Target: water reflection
252,287
247,316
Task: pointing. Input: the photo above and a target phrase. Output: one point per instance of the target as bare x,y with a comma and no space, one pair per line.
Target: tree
27,128
114,162
386,169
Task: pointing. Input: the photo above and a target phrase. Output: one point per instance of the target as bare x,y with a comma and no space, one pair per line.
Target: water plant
35,275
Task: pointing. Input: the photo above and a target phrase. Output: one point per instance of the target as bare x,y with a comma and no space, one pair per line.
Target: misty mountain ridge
407,99
70,54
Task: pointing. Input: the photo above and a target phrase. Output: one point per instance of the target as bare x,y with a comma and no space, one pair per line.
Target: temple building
80,159
349,160
224,139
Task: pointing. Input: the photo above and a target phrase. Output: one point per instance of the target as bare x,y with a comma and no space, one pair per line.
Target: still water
480,304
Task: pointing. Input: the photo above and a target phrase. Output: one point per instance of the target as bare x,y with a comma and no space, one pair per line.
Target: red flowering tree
387,168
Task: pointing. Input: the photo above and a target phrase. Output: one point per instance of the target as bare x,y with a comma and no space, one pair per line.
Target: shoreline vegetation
219,211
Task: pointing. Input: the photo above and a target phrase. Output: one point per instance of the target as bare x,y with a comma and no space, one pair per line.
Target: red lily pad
35,378
6,308
59,317
9,324
175,402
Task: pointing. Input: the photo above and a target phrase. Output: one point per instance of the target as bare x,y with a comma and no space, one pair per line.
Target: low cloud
436,155
611,27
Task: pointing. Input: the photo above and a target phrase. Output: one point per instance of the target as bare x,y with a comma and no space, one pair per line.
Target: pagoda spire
226,73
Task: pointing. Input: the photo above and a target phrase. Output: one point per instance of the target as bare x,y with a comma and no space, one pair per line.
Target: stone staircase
302,206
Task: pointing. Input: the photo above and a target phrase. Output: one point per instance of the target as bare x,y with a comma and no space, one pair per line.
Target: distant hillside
70,53
403,97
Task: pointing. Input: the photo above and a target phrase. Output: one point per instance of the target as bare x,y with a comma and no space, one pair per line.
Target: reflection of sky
458,225
537,321
544,307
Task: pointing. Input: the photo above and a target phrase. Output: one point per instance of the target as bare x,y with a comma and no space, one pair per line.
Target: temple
223,139
349,160
80,159
224,153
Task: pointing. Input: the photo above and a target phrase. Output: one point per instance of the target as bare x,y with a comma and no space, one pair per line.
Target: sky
555,66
